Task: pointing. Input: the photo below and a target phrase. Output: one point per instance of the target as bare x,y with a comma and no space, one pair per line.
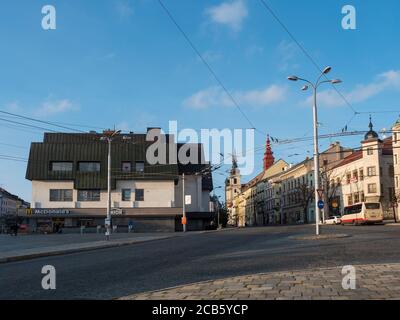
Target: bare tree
304,195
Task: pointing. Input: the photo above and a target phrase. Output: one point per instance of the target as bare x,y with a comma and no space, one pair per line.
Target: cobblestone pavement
375,281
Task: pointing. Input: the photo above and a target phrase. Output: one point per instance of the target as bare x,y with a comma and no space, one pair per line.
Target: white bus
363,213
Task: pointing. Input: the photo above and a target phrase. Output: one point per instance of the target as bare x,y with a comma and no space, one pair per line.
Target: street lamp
315,86
109,136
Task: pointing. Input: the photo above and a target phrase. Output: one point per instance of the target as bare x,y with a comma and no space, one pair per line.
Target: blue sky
123,63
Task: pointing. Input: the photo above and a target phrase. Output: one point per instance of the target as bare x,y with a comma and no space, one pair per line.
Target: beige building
366,175
246,203
396,163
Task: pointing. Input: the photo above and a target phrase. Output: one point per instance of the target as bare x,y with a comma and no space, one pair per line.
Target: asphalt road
116,272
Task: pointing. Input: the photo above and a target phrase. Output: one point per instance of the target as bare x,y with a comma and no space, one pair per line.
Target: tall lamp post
109,136
315,87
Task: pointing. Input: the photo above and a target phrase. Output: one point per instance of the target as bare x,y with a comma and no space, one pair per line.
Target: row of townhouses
69,174
10,204
284,194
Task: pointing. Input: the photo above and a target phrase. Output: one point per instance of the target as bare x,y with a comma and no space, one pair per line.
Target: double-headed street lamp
315,86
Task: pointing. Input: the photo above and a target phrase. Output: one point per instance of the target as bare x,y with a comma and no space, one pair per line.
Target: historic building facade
366,175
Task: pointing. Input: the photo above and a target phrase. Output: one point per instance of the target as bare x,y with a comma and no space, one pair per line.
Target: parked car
333,220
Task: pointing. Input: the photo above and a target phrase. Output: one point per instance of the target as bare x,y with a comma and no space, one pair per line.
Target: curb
76,250
131,296
321,237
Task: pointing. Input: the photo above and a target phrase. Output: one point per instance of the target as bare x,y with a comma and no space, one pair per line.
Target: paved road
117,272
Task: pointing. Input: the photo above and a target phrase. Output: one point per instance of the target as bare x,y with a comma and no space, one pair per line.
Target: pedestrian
130,226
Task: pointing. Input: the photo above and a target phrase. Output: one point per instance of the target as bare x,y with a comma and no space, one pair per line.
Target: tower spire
268,155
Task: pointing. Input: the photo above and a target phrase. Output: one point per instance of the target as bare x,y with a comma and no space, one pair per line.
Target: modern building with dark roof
69,183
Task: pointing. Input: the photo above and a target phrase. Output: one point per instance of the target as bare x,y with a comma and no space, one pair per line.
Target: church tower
232,189
268,155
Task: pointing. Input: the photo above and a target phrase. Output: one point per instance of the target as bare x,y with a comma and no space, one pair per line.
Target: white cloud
210,56
230,14
13,106
287,52
124,8
389,80
51,107
217,97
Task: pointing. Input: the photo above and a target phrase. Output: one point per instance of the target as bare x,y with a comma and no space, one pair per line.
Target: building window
126,194
350,200
371,171
395,159
234,181
362,196
397,181
392,197
61,166
361,174
62,195
139,195
88,195
89,166
126,166
355,175
372,188
338,182
356,197
348,178
370,151
391,171
139,166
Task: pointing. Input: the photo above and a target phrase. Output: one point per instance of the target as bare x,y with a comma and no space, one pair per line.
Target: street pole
108,136
108,226
316,161
315,123
183,203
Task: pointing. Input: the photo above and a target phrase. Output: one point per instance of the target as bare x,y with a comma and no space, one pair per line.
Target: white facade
366,176
157,194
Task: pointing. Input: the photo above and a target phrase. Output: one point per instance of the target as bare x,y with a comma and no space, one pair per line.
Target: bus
363,213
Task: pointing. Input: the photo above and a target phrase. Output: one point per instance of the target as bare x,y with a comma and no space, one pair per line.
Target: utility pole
315,124
108,136
184,220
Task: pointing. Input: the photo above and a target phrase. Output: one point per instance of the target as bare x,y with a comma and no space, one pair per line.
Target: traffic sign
321,204
320,193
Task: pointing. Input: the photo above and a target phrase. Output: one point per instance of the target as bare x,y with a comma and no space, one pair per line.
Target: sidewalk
378,281
35,246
